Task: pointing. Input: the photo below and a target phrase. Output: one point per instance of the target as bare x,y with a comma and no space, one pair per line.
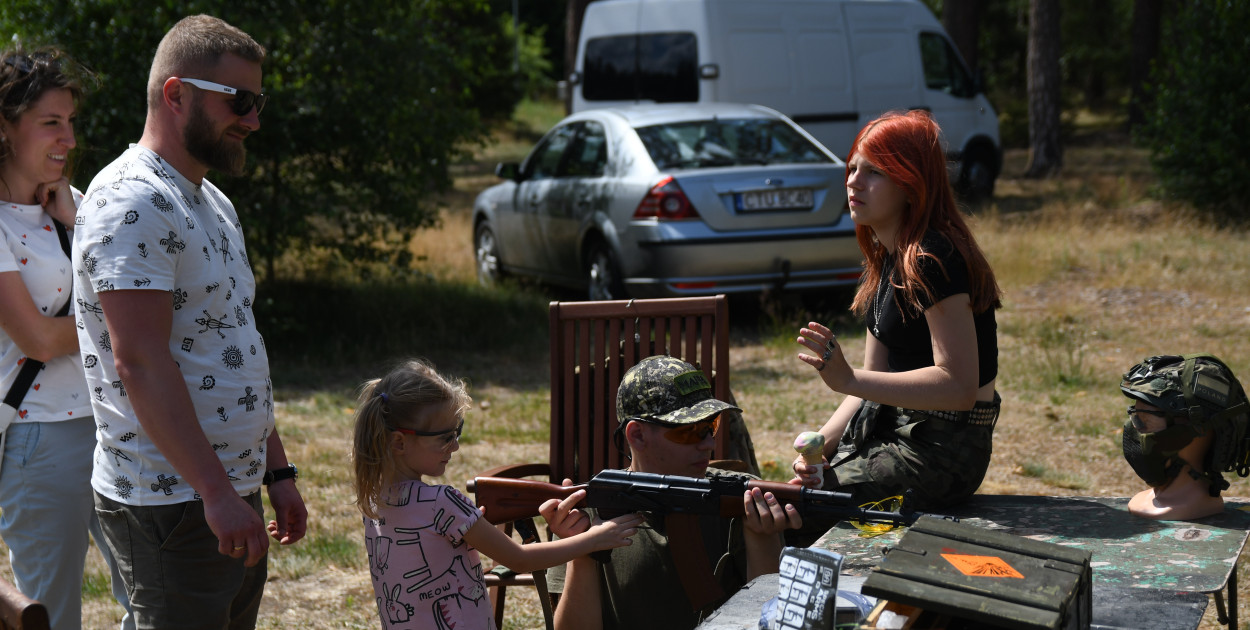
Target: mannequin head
1186,426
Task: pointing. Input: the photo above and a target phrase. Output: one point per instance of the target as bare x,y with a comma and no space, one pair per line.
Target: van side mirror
575,78
508,170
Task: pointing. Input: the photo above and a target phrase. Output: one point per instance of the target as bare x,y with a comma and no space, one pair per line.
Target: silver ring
826,356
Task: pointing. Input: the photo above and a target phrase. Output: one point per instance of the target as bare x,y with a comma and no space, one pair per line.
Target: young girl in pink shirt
423,539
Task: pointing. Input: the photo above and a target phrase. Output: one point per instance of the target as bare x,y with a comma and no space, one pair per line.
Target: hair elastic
384,397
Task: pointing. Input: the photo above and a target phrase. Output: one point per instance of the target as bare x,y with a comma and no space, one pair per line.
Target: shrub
1197,130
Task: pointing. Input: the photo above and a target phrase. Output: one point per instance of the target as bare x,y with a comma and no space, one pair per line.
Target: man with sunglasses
668,419
177,371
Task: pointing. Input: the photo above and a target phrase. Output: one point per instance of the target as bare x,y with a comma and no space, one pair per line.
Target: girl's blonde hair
403,398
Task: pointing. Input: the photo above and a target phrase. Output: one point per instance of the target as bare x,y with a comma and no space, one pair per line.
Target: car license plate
783,199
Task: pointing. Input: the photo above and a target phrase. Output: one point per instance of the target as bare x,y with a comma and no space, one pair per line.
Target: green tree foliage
369,105
1198,130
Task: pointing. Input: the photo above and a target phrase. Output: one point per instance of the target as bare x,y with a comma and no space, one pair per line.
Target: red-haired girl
920,414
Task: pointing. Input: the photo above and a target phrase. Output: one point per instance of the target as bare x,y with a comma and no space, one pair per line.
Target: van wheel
603,275
486,251
976,180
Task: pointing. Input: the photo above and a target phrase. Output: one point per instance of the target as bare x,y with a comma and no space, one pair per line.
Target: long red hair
907,147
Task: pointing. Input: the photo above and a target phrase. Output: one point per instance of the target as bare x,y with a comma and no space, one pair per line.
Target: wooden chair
593,344
19,612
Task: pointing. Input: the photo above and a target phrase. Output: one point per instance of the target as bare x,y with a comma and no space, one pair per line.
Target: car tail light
666,201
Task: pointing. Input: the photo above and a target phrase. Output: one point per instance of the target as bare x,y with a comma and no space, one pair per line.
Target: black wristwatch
290,472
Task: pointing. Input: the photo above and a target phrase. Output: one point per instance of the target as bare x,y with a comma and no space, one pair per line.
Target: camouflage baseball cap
667,390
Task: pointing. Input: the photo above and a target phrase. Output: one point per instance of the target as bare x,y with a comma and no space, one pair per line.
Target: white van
830,65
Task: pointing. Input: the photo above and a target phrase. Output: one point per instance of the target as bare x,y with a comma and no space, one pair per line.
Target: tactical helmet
1195,394
666,390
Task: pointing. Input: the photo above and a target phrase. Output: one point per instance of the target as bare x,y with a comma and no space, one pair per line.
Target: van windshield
728,142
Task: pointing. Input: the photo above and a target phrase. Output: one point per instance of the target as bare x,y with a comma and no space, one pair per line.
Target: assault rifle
679,500
615,492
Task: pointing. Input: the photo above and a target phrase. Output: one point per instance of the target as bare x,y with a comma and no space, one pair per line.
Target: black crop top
908,341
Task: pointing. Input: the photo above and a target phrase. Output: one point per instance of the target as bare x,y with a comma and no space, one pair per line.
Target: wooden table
1144,571
1128,552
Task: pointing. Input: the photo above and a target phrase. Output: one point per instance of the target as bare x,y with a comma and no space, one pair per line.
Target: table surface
1127,551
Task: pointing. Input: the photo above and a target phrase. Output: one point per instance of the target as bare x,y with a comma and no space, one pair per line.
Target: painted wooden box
985,577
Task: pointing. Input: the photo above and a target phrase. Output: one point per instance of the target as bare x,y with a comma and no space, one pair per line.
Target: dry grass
1095,276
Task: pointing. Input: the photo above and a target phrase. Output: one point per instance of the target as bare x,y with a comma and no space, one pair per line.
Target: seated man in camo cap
668,419
1186,426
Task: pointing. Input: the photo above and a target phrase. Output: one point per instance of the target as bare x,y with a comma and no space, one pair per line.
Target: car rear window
728,142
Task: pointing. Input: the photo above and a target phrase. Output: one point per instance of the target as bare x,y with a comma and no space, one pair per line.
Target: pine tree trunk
1045,149
962,19
1147,18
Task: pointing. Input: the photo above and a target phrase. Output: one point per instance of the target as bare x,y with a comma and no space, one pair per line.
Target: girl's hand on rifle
562,516
616,532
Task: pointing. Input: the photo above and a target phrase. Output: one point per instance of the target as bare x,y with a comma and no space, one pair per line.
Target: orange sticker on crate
983,566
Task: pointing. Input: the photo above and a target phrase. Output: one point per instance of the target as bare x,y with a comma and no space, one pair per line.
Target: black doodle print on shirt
180,298
172,244
232,357
165,484
103,285
121,389
106,240
143,250
245,454
128,436
225,246
221,414
105,341
93,308
130,217
123,487
212,287
142,282
248,400
161,203
206,256
117,454
211,323
254,468
221,447
89,262
187,344
207,383
90,361
190,223
239,316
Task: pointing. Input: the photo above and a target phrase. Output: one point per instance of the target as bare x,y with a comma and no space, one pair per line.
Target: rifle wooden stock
507,499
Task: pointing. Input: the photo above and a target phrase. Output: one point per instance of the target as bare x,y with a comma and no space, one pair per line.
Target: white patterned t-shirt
30,246
144,226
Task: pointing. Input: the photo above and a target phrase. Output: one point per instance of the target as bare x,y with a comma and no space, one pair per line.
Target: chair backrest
592,346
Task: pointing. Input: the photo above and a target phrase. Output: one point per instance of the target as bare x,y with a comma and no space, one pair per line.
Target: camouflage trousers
885,451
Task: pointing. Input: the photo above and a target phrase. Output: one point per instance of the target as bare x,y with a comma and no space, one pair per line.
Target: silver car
671,200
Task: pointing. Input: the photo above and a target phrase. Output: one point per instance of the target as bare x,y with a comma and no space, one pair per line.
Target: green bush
1197,130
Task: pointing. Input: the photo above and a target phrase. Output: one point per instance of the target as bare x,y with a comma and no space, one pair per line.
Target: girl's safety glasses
243,101
445,437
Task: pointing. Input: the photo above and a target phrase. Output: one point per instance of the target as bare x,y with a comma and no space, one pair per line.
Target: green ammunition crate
985,576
